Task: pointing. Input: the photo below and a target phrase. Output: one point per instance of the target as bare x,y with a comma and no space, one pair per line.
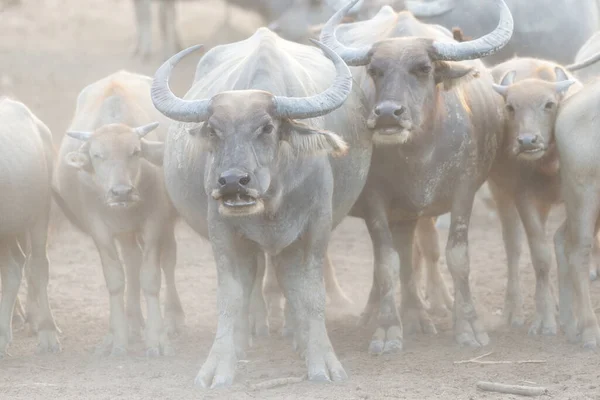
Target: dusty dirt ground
49,50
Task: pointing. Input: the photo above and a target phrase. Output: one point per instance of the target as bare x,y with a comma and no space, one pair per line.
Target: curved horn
430,9
170,105
478,48
585,63
322,103
80,135
508,78
146,129
354,57
563,86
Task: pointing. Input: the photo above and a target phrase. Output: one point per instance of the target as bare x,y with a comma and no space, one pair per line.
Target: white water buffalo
26,174
244,171
590,48
437,131
578,142
110,185
527,185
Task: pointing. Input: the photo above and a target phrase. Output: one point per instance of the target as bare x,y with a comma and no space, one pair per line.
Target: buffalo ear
451,74
308,141
153,152
78,160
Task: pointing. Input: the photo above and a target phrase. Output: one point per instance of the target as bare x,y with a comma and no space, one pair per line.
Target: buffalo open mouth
121,203
532,153
238,200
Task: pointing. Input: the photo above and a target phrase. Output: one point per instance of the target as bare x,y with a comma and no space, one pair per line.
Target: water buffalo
528,184
242,169
110,185
590,48
436,131
578,144
26,170
552,33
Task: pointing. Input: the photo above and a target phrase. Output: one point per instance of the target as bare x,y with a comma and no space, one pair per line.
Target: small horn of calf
508,78
146,129
80,135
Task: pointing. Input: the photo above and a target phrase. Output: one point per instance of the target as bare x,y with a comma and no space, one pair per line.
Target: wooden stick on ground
477,360
276,382
511,389
474,359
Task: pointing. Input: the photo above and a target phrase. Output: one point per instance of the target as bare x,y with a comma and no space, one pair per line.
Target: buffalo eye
510,108
211,132
424,69
550,105
373,72
268,129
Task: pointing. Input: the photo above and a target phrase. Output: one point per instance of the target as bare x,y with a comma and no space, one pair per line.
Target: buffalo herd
395,112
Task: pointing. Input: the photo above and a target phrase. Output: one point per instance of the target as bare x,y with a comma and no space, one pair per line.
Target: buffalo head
251,134
113,155
531,106
406,72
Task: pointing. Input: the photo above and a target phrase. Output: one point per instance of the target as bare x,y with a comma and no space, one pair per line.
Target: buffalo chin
240,205
388,137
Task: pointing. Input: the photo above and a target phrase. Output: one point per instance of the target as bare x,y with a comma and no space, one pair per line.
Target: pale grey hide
436,131
110,185
245,173
26,169
527,184
578,142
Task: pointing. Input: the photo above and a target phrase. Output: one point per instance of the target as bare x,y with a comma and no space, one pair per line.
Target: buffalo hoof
218,370
325,367
4,341
386,341
417,321
48,342
593,274
161,348
109,347
174,322
466,336
590,337
545,326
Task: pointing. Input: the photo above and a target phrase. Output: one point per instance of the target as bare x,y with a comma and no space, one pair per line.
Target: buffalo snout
233,181
528,141
122,194
388,114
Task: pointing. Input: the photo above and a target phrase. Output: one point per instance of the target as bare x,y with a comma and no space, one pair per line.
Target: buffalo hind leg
39,271
413,313
168,27
512,238
143,17
469,329
567,315
259,319
595,264
582,215
534,218
427,240
11,274
174,315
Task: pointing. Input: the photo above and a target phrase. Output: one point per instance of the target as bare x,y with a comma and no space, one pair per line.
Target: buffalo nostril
520,140
534,139
377,111
222,181
245,180
399,111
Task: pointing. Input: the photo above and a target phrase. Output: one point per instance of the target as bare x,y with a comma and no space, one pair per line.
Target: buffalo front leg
468,328
512,237
132,258
382,299
236,269
595,264
168,28
582,215
11,274
174,315
300,267
414,316
337,297
143,18
116,342
534,218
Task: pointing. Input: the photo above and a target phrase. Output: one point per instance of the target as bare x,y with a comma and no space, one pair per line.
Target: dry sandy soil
49,50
